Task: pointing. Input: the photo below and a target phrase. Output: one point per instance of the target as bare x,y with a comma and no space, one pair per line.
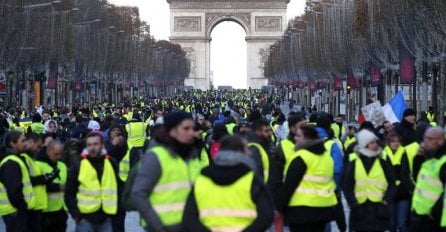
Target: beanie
174,119
365,137
409,112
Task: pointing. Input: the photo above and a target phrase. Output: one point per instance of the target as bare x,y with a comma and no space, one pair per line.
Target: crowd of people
219,161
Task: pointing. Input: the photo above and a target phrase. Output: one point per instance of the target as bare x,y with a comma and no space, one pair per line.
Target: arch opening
228,55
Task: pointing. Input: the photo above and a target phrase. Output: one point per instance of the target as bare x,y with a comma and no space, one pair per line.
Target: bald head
54,150
433,139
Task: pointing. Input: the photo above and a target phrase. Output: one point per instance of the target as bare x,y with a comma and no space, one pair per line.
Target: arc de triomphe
192,21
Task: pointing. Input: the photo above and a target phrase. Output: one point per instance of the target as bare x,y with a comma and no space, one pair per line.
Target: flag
407,66
352,81
395,108
338,84
312,85
53,75
375,75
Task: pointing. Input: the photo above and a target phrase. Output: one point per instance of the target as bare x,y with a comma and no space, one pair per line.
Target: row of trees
360,39
88,40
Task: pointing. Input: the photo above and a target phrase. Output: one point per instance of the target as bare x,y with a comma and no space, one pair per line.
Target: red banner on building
407,66
375,75
338,84
352,81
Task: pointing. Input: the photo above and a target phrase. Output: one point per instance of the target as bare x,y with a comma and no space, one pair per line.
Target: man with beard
427,202
161,188
260,145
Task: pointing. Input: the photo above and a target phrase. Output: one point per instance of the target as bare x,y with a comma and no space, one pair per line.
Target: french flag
393,111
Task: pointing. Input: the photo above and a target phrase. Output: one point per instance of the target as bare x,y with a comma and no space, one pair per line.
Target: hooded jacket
229,167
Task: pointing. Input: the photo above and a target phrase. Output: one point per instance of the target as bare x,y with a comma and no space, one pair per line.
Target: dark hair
33,136
12,137
94,134
392,134
259,124
37,118
233,143
367,125
309,132
219,132
293,120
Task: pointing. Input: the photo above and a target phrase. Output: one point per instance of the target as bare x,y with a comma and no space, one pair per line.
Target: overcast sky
228,63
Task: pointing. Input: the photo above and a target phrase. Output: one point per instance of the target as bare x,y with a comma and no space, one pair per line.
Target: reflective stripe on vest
170,193
39,190
429,187
317,188
289,153
136,134
264,158
27,190
55,199
94,194
369,186
230,206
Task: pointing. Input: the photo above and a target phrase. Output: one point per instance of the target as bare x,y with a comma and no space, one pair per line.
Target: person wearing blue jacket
325,132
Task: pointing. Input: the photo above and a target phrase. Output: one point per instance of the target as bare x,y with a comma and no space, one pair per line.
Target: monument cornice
228,4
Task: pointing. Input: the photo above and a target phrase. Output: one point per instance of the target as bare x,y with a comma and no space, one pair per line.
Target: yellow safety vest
369,186
230,128
338,132
394,158
429,188
27,190
39,190
204,158
230,208
94,194
411,152
37,127
317,188
170,193
348,141
124,165
289,153
264,158
430,116
55,199
136,134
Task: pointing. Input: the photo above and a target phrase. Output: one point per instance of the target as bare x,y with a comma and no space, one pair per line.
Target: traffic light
348,89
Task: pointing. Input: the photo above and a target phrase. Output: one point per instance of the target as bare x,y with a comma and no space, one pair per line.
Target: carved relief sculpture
187,24
268,23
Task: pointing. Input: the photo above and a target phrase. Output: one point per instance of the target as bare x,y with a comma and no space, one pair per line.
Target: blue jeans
86,226
400,216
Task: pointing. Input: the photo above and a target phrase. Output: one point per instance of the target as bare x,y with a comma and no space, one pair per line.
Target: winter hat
93,125
174,119
409,112
365,137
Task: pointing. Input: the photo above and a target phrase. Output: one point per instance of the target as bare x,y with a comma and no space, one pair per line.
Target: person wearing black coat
72,187
230,165
11,178
304,218
369,215
406,129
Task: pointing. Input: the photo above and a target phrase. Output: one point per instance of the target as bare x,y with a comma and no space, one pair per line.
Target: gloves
52,175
